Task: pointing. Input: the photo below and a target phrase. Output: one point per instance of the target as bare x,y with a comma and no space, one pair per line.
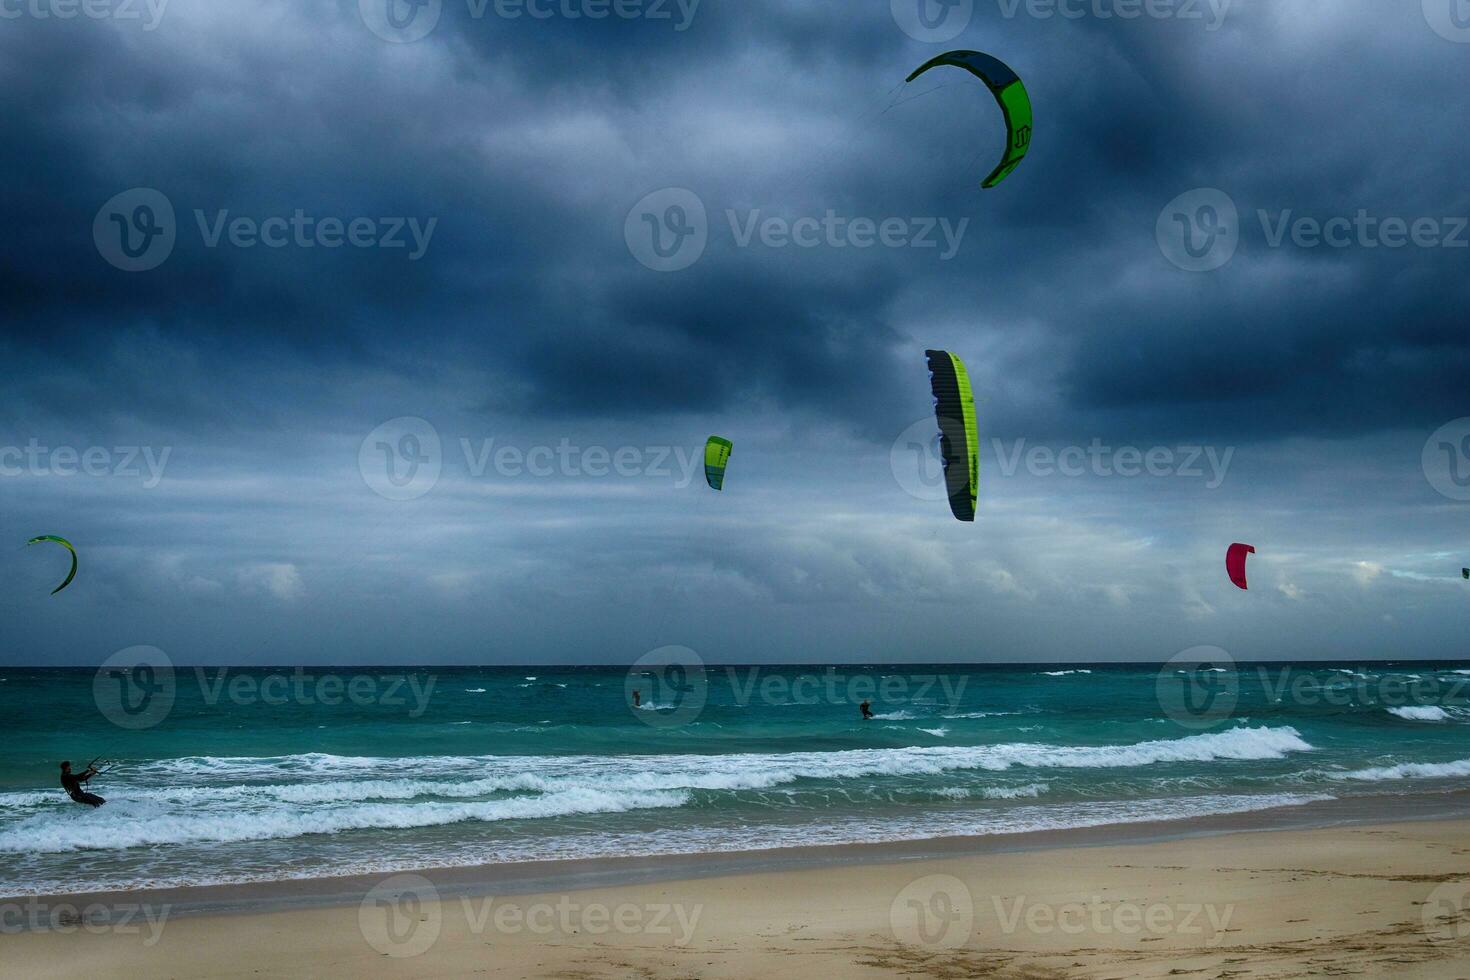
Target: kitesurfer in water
72,783
637,698
867,710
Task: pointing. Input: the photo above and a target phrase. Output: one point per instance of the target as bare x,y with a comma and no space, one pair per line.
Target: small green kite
65,544
716,459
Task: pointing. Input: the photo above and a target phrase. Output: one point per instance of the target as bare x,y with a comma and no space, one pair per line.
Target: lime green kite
65,544
716,459
959,433
1006,86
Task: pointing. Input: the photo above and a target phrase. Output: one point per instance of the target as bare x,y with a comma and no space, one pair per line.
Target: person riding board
72,783
867,708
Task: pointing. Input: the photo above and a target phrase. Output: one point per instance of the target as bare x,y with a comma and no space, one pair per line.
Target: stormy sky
384,332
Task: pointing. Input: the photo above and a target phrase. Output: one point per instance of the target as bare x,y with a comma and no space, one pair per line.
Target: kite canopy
1465,572
65,544
716,458
1006,86
1235,562
959,439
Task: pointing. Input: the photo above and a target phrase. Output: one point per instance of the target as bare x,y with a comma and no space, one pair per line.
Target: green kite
1006,86
65,544
716,459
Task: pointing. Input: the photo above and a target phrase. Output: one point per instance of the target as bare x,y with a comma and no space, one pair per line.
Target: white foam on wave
899,715
1064,673
125,823
1420,713
1408,770
474,690
936,732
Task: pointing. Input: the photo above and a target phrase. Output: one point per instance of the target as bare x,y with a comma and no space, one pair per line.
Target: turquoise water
260,774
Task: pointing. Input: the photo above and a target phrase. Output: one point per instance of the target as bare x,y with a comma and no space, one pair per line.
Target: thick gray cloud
517,149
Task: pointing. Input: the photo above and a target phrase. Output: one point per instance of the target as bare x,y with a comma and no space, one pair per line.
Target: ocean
259,774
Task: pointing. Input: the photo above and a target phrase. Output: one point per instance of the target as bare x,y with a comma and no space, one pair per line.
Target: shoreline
1388,899
581,874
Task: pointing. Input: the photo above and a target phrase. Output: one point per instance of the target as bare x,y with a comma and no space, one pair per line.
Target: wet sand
1391,899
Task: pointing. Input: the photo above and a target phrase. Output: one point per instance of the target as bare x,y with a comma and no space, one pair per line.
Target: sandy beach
1375,900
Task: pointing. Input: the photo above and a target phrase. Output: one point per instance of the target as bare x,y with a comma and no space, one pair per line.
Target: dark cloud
527,319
